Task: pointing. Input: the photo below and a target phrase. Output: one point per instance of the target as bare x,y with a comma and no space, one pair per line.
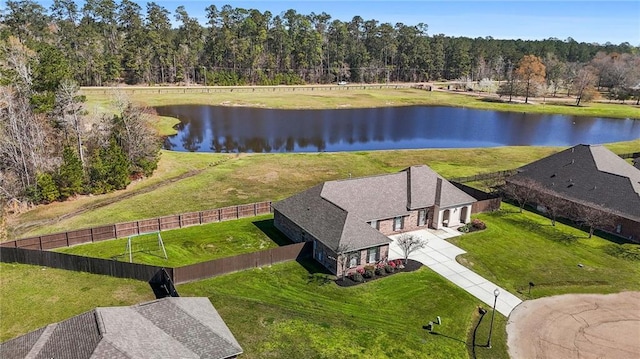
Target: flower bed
369,273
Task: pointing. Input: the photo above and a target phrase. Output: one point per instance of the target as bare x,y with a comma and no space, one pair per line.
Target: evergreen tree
70,176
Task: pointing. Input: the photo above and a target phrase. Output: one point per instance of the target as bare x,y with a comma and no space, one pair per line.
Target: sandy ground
576,326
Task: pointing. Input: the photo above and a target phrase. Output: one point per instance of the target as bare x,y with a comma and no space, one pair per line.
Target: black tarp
162,285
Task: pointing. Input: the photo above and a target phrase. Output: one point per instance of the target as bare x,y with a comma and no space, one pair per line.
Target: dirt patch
576,326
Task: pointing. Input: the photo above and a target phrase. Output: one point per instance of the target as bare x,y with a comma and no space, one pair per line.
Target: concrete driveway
440,256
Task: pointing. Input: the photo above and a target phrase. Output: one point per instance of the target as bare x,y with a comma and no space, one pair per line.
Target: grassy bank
190,245
32,296
197,181
359,98
518,248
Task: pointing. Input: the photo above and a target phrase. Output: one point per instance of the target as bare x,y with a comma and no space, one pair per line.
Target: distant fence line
119,230
630,155
242,89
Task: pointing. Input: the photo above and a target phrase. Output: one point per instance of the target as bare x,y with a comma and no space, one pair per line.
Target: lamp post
496,293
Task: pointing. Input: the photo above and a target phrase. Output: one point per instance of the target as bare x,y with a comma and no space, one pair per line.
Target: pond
242,129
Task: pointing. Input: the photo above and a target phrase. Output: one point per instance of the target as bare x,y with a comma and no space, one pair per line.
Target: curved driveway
440,256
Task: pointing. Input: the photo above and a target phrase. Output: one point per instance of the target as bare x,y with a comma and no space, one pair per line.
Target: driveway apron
440,256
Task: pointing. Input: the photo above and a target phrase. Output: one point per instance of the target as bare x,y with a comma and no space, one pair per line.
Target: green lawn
286,312
32,296
518,248
190,245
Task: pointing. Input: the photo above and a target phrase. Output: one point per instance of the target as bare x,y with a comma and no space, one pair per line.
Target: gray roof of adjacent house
172,327
336,212
636,162
590,174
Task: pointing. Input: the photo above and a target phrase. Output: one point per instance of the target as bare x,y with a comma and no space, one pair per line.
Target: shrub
368,273
478,224
392,264
369,267
357,277
380,271
466,228
360,271
389,269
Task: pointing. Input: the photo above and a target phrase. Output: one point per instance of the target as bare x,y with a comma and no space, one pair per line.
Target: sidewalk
440,256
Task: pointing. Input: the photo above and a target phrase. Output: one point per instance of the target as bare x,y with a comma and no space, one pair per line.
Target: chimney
438,192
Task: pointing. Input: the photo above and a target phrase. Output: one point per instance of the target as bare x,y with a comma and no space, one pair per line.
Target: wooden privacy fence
119,230
144,272
484,176
79,263
487,202
242,262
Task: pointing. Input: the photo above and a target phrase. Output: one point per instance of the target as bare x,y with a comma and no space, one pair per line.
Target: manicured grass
190,245
518,248
286,312
359,98
32,296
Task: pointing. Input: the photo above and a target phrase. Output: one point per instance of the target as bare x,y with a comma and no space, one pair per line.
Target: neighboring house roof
636,163
165,328
337,212
589,174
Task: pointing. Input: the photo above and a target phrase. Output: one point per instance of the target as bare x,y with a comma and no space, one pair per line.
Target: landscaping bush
466,228
368,273
380,271
357,277
478,224
389,269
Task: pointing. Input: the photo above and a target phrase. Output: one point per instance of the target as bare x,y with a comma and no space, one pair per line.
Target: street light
496,293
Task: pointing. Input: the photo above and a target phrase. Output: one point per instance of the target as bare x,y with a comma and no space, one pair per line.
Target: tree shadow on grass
269,229
547,231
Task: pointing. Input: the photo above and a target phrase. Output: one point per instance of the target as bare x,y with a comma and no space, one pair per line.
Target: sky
584,21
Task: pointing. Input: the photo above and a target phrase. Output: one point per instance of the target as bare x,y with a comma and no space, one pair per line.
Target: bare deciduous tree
522,191
554,205
593,218
409,243
69,113
582,85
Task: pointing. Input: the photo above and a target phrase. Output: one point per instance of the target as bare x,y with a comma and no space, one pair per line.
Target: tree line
106,42
49,150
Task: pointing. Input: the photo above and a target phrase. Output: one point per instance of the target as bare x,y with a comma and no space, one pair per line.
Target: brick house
594,177
353,217
165,328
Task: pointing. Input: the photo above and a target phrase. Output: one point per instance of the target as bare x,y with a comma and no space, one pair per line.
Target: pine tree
70,177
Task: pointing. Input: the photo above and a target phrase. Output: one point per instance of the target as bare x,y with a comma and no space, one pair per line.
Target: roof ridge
171,301
42,341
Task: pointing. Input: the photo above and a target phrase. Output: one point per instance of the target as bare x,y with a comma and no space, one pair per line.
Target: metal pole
496,293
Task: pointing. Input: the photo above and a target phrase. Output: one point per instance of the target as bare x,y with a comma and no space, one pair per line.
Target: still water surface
242,129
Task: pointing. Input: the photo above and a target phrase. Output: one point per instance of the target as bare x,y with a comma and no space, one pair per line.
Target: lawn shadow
448,337
118,257
269,229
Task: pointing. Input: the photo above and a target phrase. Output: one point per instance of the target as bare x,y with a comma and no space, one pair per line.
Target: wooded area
105,42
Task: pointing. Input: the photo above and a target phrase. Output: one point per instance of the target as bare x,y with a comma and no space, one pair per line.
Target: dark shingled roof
337,212
590,174
636,163
166,328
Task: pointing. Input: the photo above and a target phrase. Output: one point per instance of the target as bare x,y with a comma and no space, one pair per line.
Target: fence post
200,217
179,221
237,212
66,236
219,215
40,240
255,209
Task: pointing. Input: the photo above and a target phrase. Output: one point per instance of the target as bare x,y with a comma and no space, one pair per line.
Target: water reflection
233,129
